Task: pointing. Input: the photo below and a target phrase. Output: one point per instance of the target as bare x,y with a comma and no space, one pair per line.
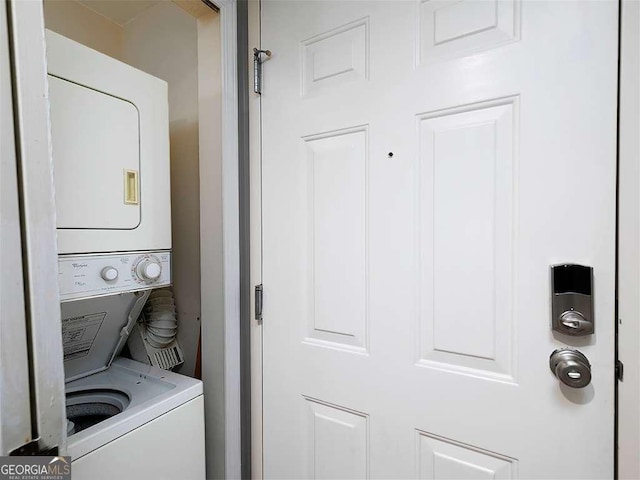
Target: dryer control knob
109,273
149,270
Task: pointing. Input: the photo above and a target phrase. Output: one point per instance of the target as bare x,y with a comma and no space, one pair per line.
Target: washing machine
125,419
135,421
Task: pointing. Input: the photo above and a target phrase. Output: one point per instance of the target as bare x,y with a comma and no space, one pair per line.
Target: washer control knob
149,270
109,274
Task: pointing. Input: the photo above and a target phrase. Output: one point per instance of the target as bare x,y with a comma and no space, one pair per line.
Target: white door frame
255,241
629,243
15,413
38,214
223,447
629,307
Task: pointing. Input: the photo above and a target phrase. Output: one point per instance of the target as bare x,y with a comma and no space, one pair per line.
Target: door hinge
257,69
619,370
258,302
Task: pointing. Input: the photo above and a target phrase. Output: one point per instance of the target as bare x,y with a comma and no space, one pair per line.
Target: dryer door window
96,153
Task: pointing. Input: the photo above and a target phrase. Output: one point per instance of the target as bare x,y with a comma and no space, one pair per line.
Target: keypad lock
571,299
571,367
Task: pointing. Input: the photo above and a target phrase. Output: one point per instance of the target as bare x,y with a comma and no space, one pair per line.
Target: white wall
170,44
75,21
629,245
163,41
213,328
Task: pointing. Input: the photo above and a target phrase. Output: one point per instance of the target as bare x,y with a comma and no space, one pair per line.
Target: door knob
571,367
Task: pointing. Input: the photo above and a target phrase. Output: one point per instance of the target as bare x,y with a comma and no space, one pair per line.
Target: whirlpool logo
35,468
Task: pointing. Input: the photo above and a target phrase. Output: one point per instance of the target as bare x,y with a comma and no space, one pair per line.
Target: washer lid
95,330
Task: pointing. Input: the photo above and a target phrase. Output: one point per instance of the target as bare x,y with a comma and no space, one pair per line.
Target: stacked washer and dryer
110,139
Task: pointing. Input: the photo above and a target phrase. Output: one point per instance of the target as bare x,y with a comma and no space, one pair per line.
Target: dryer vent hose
159,318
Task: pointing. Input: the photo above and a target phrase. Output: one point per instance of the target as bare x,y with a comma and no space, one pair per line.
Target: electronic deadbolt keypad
571,299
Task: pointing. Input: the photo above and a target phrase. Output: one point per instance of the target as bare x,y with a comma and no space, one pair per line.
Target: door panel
335,57
442,458
424,163
451,28
337,230
465,201
339,441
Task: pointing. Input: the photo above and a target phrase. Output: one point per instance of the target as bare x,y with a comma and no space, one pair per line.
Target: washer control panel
83,276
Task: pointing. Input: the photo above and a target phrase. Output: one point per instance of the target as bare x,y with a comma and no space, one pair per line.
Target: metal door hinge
258,302
619,370
257,69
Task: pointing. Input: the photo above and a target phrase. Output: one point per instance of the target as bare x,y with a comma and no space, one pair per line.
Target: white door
424,164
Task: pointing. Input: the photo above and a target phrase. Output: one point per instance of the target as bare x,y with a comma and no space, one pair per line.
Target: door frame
628,321
221,325
628,437
255,241
38,228
15,413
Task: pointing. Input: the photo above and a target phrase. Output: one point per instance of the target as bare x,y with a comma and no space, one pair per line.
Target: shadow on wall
185,218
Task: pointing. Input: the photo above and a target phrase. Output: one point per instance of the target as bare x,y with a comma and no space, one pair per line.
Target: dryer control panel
84,276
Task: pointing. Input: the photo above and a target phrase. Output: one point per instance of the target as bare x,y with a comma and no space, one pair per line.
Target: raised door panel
466,238
339,443
443,459
453,28
336,57
336,165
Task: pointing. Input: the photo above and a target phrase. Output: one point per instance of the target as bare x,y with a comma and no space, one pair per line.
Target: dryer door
96,151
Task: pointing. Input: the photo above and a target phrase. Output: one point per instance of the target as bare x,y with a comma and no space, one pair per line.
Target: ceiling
119,11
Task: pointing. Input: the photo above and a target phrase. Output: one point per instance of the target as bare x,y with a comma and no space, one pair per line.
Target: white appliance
125,418
84,276
159,430
110,134
158,435
110,139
